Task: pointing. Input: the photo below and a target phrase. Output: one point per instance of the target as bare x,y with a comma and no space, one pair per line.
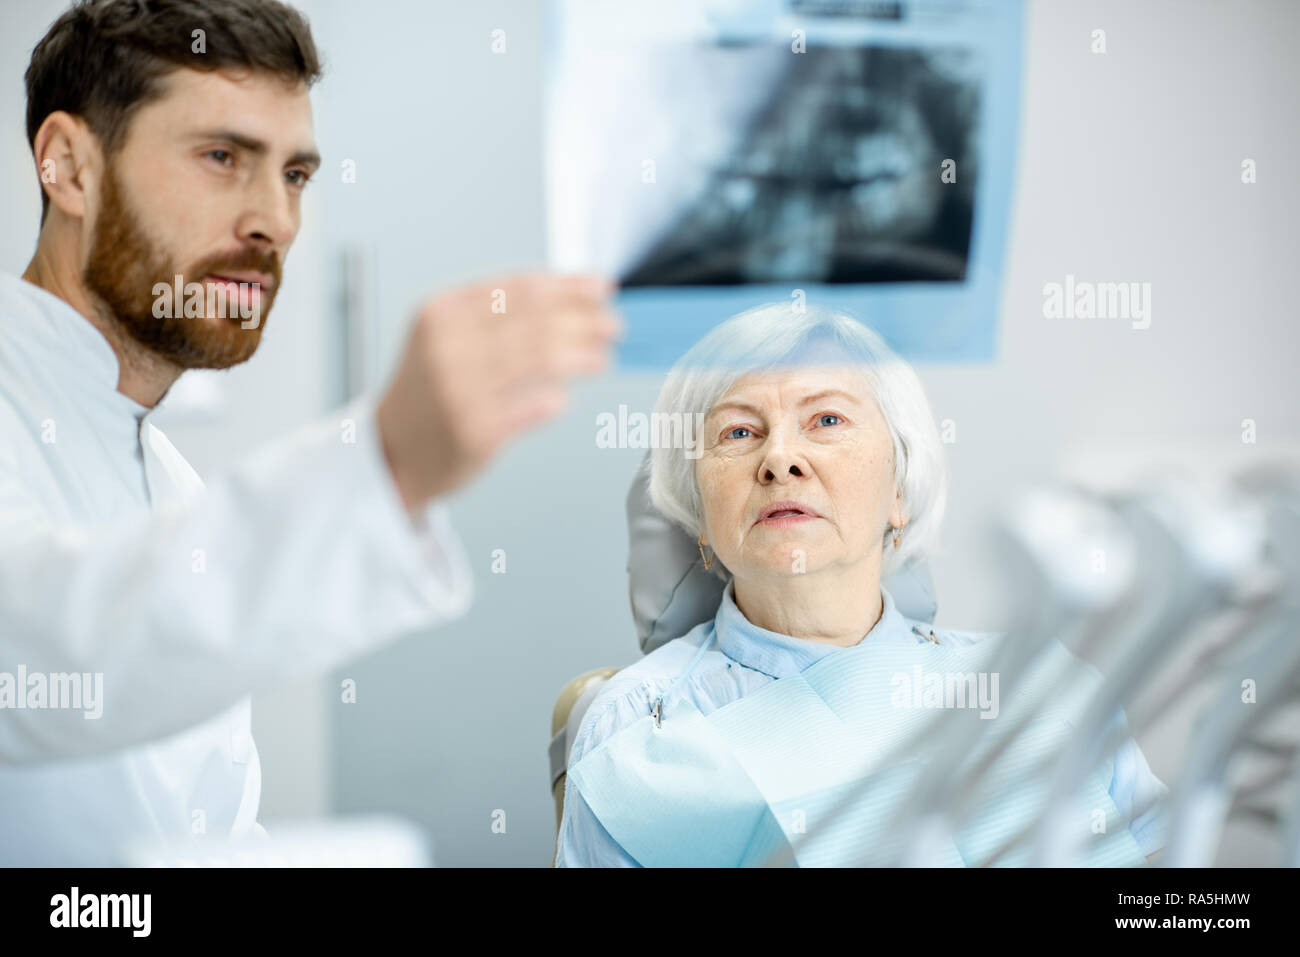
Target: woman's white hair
776,335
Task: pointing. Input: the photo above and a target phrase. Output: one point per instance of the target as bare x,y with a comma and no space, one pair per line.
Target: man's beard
124,267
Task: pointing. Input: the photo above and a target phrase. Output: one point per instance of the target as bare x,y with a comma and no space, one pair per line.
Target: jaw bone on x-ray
835,178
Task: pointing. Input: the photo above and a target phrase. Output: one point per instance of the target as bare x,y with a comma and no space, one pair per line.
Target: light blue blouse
743,659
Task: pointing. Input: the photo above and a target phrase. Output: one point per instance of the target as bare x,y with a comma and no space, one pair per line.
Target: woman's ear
898,516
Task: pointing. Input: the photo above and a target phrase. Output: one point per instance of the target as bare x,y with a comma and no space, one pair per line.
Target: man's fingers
549,286
553,365
531,407
551,344
564,322
530,291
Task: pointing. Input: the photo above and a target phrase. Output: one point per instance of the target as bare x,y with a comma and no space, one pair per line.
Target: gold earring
707,561
896,531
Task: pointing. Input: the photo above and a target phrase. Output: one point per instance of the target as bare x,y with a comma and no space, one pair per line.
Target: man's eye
304,177
821,419
219,153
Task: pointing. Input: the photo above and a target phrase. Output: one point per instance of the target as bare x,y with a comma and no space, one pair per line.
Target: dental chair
670,593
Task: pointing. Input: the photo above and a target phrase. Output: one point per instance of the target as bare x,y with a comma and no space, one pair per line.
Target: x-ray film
716,155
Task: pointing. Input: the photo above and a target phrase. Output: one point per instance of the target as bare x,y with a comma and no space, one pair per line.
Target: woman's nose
781,462
772,473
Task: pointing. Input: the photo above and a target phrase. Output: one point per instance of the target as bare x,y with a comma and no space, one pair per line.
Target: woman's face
812,436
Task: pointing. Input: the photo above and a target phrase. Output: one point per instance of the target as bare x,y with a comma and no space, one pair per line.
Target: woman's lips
786,517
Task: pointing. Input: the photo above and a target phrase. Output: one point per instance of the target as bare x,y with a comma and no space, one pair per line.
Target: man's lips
244,292
262,280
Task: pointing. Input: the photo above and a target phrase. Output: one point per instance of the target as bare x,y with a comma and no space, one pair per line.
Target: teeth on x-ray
836,179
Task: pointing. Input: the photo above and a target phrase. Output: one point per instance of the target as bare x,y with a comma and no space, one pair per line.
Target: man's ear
67,161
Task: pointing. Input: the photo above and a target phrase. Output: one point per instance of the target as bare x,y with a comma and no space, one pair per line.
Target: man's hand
473,376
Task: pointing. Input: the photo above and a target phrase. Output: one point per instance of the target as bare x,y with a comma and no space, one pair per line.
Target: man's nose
270,220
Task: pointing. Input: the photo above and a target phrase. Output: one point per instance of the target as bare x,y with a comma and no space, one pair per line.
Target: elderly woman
817,470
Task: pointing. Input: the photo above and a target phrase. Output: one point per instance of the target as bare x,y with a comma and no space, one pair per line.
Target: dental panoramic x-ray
830,180
696,434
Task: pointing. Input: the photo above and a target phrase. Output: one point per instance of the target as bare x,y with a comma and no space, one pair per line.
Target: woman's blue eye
739,428
828,415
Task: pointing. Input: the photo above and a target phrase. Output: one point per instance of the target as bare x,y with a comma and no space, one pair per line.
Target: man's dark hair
102,59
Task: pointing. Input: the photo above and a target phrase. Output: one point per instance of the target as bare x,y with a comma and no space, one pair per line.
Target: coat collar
71,344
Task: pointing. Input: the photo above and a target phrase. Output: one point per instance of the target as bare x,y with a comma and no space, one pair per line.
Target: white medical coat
114,559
